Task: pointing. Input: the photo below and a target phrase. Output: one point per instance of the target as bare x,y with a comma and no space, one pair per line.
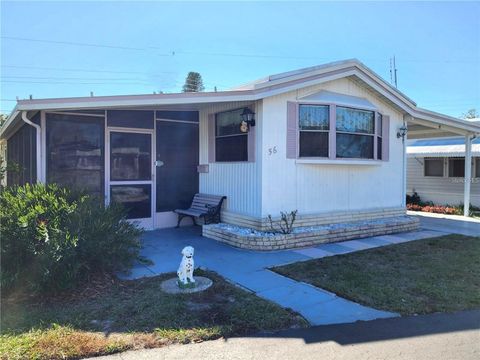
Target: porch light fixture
402,132
247,119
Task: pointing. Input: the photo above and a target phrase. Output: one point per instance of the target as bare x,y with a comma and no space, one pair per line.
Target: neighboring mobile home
324,142
436,170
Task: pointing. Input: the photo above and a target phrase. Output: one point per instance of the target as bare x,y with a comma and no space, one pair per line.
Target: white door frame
147,223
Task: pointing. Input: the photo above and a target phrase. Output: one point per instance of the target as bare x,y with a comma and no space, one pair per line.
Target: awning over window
340,99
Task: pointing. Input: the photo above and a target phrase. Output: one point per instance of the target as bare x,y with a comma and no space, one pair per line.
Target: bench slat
208,197
189,212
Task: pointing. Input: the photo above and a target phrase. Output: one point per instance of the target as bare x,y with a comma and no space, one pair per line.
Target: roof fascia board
303,75
99,102
445,121
8,123
421,113
384,92
295,85
226,96
385,84
436,127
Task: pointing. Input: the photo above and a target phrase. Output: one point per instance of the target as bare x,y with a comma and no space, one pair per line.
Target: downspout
38,133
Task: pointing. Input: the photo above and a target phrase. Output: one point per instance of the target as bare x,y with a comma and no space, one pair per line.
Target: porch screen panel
21,156
177,178
130,156
75,152
139,119
135,198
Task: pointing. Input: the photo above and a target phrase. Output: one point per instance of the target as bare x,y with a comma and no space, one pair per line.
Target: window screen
314,124
354,146
355,133
456,168
75,152
130,119
230,143
433,167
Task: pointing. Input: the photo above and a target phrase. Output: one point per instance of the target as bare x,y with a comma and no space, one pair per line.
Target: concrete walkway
426,337
249,270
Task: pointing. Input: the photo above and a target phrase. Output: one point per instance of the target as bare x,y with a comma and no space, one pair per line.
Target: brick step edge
352,231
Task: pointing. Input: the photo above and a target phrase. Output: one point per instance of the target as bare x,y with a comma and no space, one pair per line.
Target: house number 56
272,150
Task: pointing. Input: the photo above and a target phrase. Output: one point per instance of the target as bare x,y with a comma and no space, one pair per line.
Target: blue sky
141,47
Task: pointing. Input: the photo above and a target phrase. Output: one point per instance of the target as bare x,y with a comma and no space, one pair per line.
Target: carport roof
448,147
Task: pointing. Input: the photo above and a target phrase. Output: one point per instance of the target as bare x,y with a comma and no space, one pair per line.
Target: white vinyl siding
288,184
239,181
440,190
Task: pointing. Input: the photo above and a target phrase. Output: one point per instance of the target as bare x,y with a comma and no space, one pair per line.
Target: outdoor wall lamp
402,132
247,119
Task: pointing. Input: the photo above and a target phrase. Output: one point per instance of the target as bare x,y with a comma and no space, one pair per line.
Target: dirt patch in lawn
122,315
419,277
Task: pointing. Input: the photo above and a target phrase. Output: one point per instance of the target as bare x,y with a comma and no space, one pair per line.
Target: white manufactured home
436,170
327,141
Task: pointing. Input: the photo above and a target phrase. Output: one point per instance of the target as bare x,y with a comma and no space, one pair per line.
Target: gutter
10,119
38,133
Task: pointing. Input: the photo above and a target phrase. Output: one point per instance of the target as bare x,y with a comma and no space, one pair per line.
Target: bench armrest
212,209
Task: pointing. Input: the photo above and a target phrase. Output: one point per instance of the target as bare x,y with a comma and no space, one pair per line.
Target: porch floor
248,269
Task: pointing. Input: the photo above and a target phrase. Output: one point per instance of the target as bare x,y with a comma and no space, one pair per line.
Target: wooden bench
203,205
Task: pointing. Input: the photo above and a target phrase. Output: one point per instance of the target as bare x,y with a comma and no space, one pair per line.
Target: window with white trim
477,167
355,133
314,125
456,167
230,143
337,132
433,167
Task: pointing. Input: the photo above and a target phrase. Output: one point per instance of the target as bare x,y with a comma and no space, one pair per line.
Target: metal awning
449,147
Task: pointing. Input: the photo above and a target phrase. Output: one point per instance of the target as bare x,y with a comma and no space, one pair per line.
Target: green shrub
52,238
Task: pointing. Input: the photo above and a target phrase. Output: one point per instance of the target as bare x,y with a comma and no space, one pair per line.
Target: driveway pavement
448,223
249,269
427,337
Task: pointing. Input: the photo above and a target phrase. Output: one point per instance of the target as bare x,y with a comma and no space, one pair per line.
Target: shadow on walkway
386,329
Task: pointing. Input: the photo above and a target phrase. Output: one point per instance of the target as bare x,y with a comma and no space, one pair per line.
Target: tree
193,82
3,164
471,114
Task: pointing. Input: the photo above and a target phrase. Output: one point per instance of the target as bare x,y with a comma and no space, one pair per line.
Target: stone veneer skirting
304,220
247,238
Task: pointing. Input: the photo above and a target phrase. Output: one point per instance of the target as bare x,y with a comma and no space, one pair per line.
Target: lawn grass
419,277
131,315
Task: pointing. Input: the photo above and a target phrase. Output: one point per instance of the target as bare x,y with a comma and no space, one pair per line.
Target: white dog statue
185,270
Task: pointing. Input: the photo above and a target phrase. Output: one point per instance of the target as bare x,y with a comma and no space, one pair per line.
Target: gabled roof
311,71
269,86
